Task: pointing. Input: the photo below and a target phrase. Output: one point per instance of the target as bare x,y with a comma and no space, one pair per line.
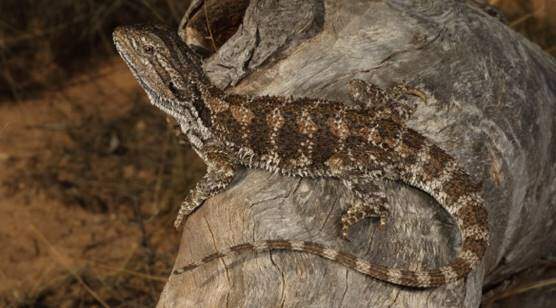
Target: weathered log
207,26
491,104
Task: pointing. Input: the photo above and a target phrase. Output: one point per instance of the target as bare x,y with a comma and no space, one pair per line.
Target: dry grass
98,174
42,43
535,19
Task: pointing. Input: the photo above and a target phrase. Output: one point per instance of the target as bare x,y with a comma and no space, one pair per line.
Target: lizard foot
186,208
398,91
373,207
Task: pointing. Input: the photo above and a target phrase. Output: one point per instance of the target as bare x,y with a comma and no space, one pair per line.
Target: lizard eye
148,49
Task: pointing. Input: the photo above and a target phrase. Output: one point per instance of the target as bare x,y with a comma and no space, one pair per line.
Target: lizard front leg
220,173
389,103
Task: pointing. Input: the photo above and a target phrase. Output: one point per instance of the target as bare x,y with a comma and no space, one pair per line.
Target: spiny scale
311,138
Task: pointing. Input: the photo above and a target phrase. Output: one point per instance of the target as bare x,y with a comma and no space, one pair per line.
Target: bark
491,104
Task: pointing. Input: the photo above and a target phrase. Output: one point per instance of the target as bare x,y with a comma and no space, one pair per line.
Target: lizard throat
185,114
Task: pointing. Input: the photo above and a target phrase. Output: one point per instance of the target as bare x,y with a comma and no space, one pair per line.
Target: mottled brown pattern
435,166
226,125
462,266
325,143
338,127
311,138
472,214
306,125
374,136
357,144
413,141
477,246
337,163
458,185
259,139
289,138
217,105
204,112
241,114
389,132
275,119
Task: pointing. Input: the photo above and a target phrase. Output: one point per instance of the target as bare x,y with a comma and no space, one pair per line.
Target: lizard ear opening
177,89
172,86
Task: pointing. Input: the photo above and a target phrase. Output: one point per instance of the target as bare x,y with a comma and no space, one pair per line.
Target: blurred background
90,174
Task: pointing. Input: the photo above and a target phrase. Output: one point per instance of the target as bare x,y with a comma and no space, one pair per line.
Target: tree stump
491,104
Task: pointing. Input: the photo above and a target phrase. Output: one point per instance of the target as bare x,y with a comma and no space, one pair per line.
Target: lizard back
312,137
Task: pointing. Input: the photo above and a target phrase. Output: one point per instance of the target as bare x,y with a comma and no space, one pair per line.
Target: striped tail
421,279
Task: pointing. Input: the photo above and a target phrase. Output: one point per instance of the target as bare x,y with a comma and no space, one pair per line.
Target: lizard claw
401,89
345,234
418,93
347,222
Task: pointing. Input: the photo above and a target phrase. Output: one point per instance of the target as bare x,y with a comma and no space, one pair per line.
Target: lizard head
168,70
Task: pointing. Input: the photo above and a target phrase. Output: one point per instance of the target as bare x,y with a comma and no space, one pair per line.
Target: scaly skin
307,137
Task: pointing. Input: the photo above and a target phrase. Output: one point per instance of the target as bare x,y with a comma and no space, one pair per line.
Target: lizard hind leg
369,202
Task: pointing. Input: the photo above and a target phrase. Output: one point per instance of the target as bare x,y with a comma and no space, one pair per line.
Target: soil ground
89,176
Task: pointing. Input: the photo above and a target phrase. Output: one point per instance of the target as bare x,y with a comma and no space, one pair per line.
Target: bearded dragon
307,137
